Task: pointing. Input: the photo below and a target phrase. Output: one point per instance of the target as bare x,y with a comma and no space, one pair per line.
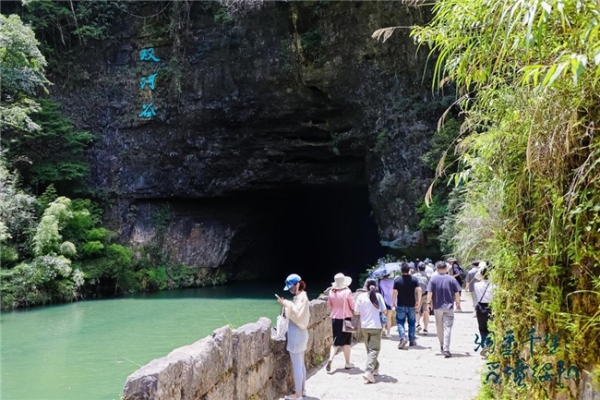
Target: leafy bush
47,236
45,280
22,69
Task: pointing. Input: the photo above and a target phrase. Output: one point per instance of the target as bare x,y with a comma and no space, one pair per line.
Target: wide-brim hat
341,281
452,259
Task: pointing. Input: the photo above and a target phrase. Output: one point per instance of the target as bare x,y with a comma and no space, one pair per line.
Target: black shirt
406,285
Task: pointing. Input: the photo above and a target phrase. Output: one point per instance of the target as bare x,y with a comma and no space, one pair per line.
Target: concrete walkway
420,372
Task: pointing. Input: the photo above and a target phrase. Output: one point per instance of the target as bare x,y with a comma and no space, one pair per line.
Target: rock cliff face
253,112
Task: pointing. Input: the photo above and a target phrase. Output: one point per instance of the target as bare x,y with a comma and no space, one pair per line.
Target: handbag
347,325
282,325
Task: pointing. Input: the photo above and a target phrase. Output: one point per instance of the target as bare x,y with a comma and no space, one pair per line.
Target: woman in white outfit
298,313
369,305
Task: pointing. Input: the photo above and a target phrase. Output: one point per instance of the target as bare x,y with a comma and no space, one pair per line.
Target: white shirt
429,271
369,315
480,291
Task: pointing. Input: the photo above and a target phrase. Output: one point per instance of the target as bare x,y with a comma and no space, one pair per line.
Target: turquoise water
86,350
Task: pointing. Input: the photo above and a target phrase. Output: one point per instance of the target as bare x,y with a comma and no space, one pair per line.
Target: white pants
299,371
444,319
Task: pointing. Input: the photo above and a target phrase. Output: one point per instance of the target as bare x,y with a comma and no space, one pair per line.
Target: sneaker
413,343
328,366
442,349
484,352
447,354
425,332
419,328
376,372
402,343
349,366
389,335
304,393
369,377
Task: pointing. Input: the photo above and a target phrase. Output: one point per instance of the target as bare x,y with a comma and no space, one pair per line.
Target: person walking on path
470,280
386,286
298,313
484,290
429,267
369,305
456,270
341,303
422,310
443,290
406,296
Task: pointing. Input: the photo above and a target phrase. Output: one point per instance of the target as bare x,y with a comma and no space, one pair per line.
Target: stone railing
241,364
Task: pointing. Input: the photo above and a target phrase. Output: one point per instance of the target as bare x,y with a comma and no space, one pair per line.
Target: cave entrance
313,231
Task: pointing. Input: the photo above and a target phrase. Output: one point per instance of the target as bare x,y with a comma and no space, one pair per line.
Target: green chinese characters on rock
148,109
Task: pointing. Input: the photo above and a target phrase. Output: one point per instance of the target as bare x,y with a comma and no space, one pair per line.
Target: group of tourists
422,290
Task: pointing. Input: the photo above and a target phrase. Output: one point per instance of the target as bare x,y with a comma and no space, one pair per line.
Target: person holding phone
298,313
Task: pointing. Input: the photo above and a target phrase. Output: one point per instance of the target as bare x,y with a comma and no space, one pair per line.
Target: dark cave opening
313,231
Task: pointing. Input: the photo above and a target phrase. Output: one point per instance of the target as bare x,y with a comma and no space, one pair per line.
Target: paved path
419,373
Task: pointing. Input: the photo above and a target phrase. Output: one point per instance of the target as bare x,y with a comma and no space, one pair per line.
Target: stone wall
240,364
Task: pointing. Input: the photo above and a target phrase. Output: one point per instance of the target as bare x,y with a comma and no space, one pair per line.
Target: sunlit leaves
22,72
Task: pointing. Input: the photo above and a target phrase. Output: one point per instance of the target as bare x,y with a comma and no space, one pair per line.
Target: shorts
422,309
388,307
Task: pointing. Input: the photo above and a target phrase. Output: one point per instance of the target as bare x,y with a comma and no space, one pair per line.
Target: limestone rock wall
240,364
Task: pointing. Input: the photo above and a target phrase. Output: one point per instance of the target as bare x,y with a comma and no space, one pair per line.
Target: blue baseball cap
291,280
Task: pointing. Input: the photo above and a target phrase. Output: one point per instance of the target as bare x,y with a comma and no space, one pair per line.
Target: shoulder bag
347,325
282,325
478,305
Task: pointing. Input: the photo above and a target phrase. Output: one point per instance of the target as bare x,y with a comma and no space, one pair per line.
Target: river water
86,350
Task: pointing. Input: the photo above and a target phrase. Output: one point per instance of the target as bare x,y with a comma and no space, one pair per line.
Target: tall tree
22,73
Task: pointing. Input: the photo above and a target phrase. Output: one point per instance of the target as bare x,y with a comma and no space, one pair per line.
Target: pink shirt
336,301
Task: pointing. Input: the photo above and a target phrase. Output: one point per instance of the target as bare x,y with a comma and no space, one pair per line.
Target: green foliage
46,198
380,140
92,248
45,280
22,70
8,256
432,216
60,22
223,16
17,211
161,218
47,236
529,166
442,146
310,42
68,249
441,158
53,154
